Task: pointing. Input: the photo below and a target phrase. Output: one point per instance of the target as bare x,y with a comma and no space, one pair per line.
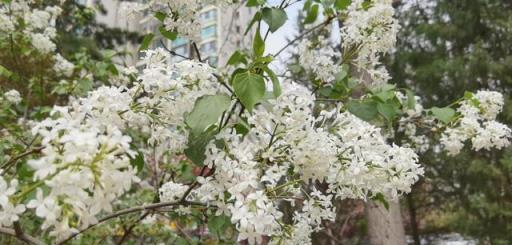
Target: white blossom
13,96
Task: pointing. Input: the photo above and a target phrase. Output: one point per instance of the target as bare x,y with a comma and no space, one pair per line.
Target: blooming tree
246,151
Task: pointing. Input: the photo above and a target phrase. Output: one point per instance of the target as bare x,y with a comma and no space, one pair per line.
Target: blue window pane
209,15
209,31
179,41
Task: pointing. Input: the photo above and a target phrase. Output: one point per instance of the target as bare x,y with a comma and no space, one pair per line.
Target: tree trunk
385,227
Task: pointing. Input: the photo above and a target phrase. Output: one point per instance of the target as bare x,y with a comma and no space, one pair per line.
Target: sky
278,39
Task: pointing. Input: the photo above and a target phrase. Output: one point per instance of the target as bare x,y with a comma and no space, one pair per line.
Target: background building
222,32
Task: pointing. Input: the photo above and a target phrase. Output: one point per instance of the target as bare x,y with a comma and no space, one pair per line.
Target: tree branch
22,236
129,211
326,22
13,160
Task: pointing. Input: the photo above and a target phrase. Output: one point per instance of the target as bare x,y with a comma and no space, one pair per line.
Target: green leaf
444,114
255,3
249,88
237,58
380,198
387,111
312,14
366,110
276,86
256,18
197,145
138,162
5,72
171,35
207,111
307,5
258,44
411,100
218,224
274,17
468,95
160,16
146,41
342,4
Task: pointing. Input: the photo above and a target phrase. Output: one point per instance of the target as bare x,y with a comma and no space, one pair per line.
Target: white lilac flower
320,59
13,96
477,124
371,30
172,192
42,43
9,212
63,66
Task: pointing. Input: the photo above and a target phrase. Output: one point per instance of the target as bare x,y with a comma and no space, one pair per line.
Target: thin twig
173,52
326,22
129,211
128,231
197,52
23,237
5,168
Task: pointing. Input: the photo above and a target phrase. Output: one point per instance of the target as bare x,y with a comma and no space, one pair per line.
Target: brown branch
326,22
196,49
128,231
13,160
129,211
20,236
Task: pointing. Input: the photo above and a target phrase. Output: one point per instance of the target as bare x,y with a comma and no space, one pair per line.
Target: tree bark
385,226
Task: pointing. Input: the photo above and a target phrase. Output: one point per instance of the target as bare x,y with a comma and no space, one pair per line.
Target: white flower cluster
321,60
38,23
13,96
85,163
9,212
63,66
287,147
172,192
477,123
182,15
410,121
370,31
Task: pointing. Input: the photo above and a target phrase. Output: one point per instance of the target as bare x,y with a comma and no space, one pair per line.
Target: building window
209,48
179,41
213,60
182,50
209,31
209,15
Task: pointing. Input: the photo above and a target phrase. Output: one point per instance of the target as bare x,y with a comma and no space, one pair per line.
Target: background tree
444,48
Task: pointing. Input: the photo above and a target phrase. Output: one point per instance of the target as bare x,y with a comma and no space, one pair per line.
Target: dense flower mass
12,96
369,31
257,151
478,123
38,23
320,59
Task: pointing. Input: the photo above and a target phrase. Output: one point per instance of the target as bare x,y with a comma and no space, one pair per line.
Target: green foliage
146,41
342,4
258,44
312,14
249,88
207,111
274,17
366,109
444,114
197,145
469,49
138,162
